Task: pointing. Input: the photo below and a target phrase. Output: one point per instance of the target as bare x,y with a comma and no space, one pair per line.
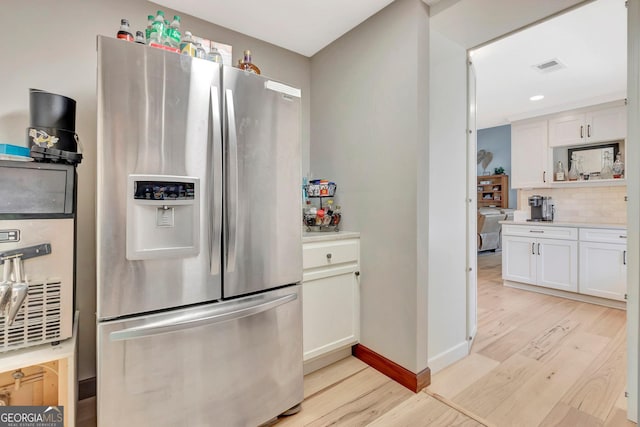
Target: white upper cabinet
529,155
566,130
606,124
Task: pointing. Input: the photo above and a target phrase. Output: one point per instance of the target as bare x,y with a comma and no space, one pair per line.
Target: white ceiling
302,26
590,41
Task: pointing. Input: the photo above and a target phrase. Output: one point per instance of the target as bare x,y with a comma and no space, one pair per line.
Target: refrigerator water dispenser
163,216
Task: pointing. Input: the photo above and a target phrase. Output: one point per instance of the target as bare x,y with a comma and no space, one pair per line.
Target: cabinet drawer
604,235
322,254
566,233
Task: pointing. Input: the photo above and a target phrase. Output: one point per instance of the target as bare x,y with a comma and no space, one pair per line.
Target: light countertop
322,236
566,224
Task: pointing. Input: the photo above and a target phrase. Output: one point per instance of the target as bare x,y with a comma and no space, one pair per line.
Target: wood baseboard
86,388
414,382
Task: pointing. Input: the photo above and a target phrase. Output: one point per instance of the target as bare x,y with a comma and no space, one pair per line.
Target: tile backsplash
605,205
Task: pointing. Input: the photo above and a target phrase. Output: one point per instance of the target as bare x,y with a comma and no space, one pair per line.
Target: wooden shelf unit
493,191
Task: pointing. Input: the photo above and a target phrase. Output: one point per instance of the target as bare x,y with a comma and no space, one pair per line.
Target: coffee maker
541,208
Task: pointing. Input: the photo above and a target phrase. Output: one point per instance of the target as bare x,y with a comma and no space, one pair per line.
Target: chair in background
489,228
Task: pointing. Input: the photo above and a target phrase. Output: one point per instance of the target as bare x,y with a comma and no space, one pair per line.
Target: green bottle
157,29
174,33
147,31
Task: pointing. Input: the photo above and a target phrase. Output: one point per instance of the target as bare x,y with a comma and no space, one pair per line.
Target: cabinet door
603,270
529,155
606,125
330,312
557,264
567,130
519,259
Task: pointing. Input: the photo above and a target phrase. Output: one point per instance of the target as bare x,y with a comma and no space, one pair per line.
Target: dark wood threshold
414,382
86,388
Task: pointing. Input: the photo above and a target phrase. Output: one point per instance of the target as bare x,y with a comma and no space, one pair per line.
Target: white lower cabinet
603,263
589,261
331,296
551,263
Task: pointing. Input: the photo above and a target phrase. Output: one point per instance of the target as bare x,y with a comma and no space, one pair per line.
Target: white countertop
321,236
566,224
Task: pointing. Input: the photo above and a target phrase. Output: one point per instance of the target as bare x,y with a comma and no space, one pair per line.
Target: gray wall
51,45
497,140
369,134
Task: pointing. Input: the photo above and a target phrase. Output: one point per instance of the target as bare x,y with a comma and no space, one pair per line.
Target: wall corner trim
414,382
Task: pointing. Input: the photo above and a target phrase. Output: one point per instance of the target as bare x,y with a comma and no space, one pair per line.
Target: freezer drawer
234,363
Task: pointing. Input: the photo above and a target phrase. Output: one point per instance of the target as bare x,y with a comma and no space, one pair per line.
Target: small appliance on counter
541,208
52,131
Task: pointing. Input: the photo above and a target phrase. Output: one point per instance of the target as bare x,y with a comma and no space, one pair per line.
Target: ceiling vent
549,66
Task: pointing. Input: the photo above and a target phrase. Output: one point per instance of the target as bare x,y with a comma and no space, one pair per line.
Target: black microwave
37,190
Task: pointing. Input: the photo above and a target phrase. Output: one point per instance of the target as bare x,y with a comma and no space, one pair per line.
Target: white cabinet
518,259
552,263
557,264
603,263
331,296
529,155
587,261
577,128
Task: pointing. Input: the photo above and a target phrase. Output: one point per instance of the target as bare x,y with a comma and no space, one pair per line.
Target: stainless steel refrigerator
199,242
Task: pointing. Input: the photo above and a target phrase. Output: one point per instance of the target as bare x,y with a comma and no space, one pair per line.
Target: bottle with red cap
125,31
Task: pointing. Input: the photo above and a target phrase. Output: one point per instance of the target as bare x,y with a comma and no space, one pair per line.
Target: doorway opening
566,65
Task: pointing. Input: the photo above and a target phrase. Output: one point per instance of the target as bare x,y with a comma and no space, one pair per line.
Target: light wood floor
537,361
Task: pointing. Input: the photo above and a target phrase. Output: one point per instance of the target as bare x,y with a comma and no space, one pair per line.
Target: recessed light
536,97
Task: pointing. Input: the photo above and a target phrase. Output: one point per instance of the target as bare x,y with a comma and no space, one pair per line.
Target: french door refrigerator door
159,180
232,363
263,210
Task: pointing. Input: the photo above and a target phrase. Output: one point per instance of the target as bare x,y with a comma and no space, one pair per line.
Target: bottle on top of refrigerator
147,31
214,55
247,65
200,52
174,32
157,29
140,37
125,32
165,33
187,45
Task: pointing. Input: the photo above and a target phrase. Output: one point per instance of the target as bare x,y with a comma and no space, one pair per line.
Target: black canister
51,135
49,110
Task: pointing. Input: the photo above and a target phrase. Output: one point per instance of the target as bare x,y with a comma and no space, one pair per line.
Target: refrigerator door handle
234,311
216,238
232,199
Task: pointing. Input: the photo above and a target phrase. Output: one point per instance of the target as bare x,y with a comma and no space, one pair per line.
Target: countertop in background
567,224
